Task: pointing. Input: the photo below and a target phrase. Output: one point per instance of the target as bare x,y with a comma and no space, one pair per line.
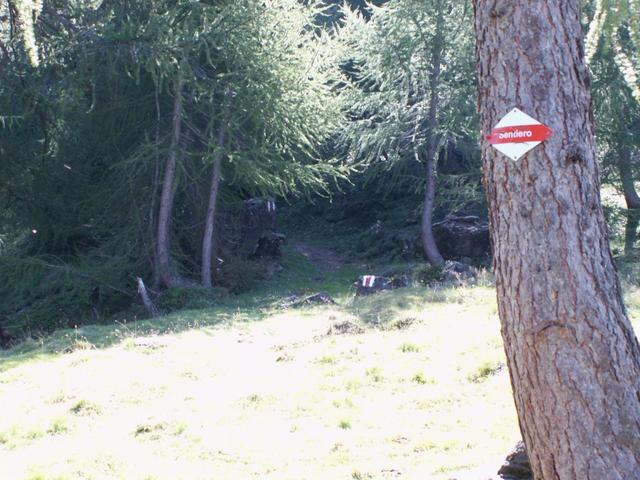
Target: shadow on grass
90,337
300,275
384,308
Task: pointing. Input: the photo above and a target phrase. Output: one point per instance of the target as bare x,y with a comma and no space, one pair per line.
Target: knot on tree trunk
499,9
575,153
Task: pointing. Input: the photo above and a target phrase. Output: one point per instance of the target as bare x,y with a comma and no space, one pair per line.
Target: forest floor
254,391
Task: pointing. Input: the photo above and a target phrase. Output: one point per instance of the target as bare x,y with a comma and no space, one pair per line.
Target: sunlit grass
216,399
252,390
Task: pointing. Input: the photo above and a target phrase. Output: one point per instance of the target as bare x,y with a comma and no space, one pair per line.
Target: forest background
132,135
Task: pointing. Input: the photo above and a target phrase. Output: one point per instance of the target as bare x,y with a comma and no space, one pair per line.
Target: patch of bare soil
321,256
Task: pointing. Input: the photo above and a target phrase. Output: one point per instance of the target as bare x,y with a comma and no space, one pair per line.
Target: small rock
257,220
390,472
269,244
295,301
284,358
458,237
458,272
345,327
403,323
6,340
517,466
368,284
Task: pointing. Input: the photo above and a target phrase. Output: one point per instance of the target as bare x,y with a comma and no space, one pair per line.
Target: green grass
232,390
344,424
84,407
409,347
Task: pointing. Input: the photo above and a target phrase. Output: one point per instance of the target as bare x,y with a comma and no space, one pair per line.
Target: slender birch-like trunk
428,241
167,274
208,239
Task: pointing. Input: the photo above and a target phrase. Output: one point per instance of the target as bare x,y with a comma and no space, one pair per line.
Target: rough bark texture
428,242
208,238
167,275
626,175
573,358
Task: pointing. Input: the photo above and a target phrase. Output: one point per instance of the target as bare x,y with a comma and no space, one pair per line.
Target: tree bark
631,232
428,241
208,240
626,175
166,273
573,357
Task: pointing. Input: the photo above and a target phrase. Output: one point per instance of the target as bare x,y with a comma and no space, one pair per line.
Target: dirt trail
321,256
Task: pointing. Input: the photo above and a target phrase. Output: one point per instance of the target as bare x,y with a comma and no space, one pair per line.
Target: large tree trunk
167,274
208,247
626,175
428,241
573,358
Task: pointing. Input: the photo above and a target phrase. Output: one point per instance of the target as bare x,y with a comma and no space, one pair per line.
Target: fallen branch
152,310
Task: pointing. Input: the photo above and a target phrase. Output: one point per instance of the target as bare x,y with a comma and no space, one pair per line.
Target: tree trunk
573,358
167,275
428,242
626,175
631,232
208,246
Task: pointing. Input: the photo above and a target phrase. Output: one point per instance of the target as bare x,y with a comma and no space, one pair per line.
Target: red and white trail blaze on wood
368,281
573,357
517,133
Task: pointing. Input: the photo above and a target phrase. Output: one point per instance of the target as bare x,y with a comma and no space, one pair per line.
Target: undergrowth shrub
179,298
239,275
426,274
40,294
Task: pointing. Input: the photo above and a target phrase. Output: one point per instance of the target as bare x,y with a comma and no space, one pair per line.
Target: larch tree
409,80
612,52
618,120
269,90
253,100
573,357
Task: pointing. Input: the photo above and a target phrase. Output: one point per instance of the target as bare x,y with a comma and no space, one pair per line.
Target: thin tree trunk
626,175
208,240
152,208
631,232
573,357
428,241
166,272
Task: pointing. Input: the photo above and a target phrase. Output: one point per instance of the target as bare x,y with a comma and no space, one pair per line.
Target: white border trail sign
517,133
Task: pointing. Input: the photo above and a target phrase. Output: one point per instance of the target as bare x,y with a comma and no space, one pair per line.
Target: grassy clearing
261,392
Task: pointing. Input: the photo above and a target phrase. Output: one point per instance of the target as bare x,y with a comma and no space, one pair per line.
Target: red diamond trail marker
517,133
